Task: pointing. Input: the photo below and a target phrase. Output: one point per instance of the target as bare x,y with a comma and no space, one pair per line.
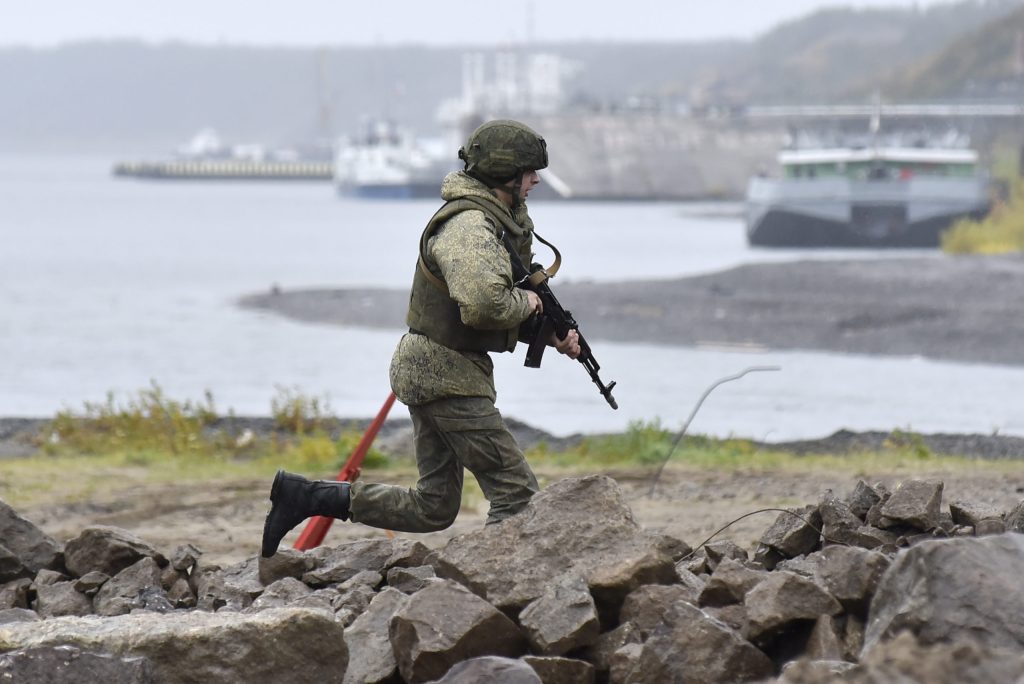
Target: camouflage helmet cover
500,150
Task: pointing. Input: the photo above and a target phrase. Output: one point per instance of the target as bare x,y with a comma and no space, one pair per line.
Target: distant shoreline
965,309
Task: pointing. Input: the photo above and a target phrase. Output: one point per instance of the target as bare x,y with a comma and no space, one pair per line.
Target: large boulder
24,543
443,624
692,647
270,646
578,526
106,549
943,589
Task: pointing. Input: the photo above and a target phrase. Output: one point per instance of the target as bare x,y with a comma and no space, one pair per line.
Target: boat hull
840,213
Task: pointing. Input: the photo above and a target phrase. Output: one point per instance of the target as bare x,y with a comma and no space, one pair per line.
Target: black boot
294,499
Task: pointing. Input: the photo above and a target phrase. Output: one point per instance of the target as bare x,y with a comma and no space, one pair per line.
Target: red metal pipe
316,529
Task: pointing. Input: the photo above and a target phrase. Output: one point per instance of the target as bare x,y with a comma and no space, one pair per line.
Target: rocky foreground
877,586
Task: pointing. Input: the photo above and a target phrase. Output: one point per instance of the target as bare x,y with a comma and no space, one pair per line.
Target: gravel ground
954,308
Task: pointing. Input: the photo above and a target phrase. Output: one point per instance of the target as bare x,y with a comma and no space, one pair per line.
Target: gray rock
695,564
244,578
561,619
284,563
694,584
646,607
444,624
578,526
600,654
972,512
692,646
766,557
11,566
794,533
824,642
490,669
623,664
18,615
851,575
735,615
555,670
904,659
123,592
862,499
71,665
14,594
48,577
805,566
346,561
719,550
853,637
371,660
33,548
106,549
729,583
839,525
350,603
185,557
990,526
915,503
804,671
410,580
281,593
1015,519
90,582
56,600
365,578
782,600
270,646
941,589
213,593
406,553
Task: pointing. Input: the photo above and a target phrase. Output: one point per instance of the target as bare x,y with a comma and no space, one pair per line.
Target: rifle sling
535,278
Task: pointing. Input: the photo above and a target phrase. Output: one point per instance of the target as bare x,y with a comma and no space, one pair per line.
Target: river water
108,284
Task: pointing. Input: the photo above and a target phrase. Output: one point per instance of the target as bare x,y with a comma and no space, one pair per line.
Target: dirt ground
225,519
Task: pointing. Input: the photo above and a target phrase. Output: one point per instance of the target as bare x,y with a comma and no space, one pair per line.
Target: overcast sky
388,22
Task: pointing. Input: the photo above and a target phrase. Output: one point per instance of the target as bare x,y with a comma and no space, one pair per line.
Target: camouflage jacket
475,266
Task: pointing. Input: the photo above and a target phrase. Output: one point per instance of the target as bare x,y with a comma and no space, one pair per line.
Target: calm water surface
108,284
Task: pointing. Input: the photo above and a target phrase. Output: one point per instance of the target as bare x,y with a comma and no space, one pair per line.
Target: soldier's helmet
500,150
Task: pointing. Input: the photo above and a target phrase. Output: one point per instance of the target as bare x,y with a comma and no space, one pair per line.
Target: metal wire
760,510
716,383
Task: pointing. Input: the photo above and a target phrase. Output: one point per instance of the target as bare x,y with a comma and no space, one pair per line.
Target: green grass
152,440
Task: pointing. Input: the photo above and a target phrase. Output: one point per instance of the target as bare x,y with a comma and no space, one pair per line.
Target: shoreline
20,437
961,309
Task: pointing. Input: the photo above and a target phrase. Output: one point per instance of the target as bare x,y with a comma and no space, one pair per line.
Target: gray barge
866,197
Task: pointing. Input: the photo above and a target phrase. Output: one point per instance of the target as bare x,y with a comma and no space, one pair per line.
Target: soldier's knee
439,515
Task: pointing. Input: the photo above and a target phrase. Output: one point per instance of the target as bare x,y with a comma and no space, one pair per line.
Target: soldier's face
530,179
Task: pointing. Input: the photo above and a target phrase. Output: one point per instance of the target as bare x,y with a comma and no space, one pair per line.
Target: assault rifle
554,319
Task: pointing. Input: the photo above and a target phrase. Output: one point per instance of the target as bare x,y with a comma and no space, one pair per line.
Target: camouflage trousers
451,434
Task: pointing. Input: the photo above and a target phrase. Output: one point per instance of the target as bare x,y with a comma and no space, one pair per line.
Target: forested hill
135,98
985,62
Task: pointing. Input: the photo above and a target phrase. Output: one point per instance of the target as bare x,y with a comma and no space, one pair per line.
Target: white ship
387,163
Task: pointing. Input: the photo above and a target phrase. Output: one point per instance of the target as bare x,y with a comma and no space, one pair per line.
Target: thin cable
747,515
716,383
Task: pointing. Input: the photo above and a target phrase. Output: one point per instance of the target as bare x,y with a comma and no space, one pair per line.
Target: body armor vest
432,311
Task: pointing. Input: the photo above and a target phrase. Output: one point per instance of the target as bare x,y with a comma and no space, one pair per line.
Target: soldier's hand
570,346
536,305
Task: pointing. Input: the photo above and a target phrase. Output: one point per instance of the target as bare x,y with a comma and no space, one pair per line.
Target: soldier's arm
476,269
